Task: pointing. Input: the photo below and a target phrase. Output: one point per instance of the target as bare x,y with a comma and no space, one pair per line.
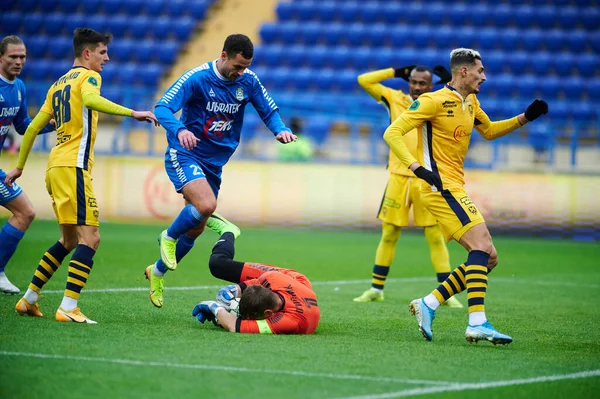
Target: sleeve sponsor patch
92,80
414,106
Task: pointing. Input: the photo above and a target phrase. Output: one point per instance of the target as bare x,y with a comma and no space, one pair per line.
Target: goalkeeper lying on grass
272,300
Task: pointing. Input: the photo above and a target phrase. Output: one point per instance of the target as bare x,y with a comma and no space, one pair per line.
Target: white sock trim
431,301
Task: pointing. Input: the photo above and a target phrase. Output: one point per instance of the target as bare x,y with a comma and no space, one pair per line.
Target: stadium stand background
309,56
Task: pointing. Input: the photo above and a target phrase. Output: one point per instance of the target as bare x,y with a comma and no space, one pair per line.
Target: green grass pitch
544,293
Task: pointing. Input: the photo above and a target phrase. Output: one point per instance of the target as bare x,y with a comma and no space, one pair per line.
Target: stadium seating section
310,56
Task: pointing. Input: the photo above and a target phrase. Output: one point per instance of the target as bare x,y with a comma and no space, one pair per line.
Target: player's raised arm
493,130
269,112
370,81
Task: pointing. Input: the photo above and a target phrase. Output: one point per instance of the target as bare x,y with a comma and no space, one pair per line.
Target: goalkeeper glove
226,294
403,72
536,109
206,310
444,75
430,177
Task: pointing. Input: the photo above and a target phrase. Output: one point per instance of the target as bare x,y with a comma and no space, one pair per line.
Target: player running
73,101
445,120
402,192
13,111
212,98
272,300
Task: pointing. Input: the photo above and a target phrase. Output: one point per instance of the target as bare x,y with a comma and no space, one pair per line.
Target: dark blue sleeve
22,119
173,101
266,107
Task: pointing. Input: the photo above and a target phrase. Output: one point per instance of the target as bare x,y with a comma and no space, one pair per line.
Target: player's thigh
8,193
395,203
454,211
477,238
423,218
73,197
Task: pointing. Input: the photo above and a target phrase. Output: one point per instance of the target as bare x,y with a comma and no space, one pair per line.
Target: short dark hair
9,40
238,44
255,300
422,68
88,38
463,56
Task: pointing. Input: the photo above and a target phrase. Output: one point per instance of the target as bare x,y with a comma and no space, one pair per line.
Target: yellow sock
439,251
385,254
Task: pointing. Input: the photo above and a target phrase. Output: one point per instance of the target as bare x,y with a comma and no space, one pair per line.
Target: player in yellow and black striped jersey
402,191
73,101
445,120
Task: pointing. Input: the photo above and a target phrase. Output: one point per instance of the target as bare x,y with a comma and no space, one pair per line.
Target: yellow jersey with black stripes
76,125
444,121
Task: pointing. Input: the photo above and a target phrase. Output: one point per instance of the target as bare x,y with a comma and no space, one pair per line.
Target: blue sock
184,245
187,219
9,239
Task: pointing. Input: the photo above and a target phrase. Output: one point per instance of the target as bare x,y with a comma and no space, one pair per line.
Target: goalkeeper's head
467,69
258,302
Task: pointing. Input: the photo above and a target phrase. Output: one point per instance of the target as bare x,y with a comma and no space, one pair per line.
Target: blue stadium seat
489,39
527,86
346,81
593,89
112,7
340,57
327,11
572,87
54,24
90,7
37,47
560,111
494,62
504,85
307,11
10,21
550,86
333,33
139,26
371,12
350,12
317,56
583,111
168,52
132,7
356,34
177,8
127,74
62,47
398,35
568,17
68,6
281,78
524,16
577,41
289,32
563,64
421,35
97,22
274,54
593,39
317,128
509,38
545,17
324,79
394,12
284,11
113,93
150,74
302,79
540,64
269,33
554,40
184,28
154,8
435,13
501,16
109,74
26,6
466,36
32,23
530,39
118,25
161,27
122,50
540,136
74,21
378,34
518,62
444,37
293,56
360,58
145,50
590,17
588,65
310,33
198,9
251,122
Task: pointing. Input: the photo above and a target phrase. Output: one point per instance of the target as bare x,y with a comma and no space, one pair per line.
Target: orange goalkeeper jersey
300,313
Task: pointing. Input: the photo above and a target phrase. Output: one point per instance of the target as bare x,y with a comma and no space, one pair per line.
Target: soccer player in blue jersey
13,111
212,98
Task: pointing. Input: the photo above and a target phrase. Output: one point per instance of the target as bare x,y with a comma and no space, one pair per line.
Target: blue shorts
7,193
183,168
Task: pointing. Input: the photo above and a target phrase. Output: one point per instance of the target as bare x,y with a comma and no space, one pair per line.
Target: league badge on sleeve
19,95
239,94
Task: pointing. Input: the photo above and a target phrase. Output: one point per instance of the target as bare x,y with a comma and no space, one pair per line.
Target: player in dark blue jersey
212,98
13,111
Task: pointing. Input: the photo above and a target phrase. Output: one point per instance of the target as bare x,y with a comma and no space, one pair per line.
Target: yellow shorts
72,196
454,211
402,193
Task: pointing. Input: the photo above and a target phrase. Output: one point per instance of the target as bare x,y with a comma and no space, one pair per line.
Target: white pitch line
507,280
223,368
481,385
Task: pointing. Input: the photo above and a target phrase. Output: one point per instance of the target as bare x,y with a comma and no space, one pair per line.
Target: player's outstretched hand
187,139
536,109
443,73
286,137
404,72
145,116
12,176
226,294
206,310
429,177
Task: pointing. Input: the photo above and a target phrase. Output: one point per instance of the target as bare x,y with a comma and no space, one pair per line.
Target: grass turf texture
544,293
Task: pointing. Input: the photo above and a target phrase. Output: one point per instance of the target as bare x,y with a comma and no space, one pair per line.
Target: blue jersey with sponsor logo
13,108
213,109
